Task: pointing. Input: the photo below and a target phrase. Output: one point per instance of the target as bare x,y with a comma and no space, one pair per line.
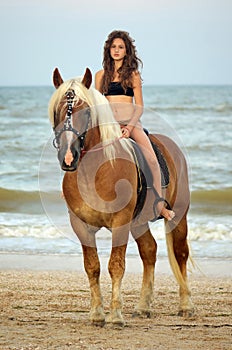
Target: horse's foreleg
177,242
116,269
92,268
147,249
86,235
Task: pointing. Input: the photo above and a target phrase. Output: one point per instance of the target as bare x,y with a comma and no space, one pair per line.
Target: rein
83,152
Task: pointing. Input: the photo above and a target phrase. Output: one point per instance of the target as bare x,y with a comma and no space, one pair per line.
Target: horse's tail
174,264
178,196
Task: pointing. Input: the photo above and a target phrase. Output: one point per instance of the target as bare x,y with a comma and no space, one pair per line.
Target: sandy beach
45,304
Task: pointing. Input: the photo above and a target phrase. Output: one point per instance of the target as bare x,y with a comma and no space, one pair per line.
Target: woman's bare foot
161,211
167,214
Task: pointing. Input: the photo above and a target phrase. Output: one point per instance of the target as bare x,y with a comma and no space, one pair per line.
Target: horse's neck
92,139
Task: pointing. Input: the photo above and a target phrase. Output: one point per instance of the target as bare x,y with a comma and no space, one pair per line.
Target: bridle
68,126
68,123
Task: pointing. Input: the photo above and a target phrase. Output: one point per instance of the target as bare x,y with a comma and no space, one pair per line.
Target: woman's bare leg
143,141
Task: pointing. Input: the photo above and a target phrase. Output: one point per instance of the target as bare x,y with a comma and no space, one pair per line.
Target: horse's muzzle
65,167
70,165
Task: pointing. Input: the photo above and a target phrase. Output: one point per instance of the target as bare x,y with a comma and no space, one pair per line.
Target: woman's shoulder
136,74
99,73
98,79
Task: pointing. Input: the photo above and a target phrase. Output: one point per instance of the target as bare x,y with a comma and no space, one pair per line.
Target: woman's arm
138,101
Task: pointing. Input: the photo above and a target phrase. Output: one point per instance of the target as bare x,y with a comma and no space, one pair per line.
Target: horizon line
145,85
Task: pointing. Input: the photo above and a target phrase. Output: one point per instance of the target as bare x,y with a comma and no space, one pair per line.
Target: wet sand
45,304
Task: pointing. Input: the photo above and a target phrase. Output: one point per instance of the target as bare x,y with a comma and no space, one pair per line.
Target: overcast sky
179,41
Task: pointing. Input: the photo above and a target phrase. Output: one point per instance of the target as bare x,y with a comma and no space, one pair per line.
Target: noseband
68,124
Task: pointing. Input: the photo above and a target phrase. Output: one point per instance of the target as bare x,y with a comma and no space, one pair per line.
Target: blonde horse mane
101,114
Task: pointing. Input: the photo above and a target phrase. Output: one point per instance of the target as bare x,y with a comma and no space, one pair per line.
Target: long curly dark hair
131,62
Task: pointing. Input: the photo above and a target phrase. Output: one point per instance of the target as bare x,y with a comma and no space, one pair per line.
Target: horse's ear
87,80
57,80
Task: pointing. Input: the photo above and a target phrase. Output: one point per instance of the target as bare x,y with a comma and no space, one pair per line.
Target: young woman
121,83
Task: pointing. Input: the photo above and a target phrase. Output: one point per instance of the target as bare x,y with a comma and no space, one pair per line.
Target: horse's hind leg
147,249
177,244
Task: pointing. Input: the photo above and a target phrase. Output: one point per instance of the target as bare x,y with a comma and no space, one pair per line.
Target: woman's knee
140,137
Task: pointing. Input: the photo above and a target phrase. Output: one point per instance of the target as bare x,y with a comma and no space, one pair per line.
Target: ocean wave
204,240
221,196
16,194
38,231
180,108
218,109
210,231
223,108
198,231
18,201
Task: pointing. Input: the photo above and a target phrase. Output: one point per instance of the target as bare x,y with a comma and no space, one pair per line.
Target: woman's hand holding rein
125,131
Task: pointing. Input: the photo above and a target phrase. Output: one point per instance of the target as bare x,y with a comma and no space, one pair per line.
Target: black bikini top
115,88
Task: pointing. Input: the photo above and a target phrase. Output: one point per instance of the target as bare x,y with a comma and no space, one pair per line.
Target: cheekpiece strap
70,95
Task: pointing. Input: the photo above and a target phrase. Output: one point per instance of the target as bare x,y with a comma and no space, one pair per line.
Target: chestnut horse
100,187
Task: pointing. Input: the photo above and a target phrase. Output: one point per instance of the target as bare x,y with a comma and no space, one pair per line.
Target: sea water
34,217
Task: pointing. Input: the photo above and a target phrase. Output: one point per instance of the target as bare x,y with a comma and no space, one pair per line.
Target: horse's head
70,118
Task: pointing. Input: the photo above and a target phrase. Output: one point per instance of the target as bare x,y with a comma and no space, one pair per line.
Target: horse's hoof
97,317
99,323
186,313
117,322
142,313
